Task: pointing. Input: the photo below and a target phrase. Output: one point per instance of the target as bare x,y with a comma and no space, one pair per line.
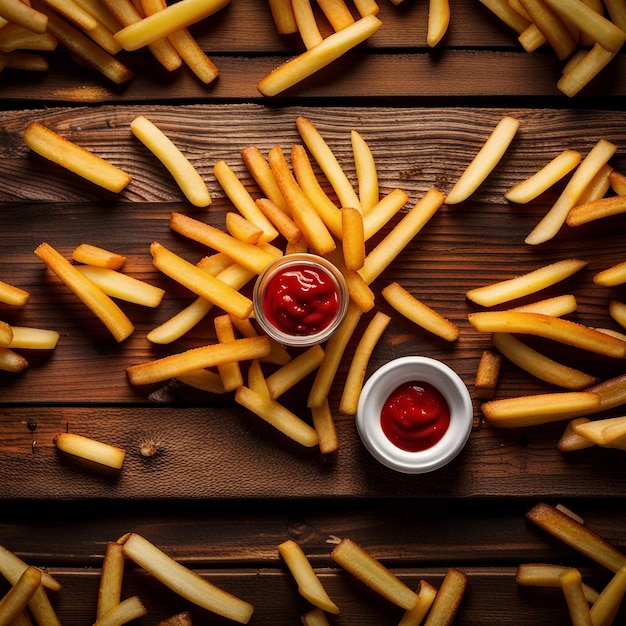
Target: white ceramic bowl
378,388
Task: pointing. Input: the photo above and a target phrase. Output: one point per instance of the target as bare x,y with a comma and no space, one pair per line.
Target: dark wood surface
225,489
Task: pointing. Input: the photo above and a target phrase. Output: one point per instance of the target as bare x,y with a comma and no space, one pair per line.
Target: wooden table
225,489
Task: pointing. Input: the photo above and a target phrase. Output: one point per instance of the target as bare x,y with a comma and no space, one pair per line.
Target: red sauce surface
415,416
301,300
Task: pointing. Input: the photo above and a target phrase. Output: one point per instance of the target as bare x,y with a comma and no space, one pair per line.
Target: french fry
503,10
74,13
22,14
549,327
324,425
184,581
14,37
614,431
596,209
366,172
240,228
284,19
278,416
304,214
90,449
541,366
309,585
203,379
360,360
294,371
380,214
570,440
256,379
438,21
126,611
388,249
307,63
598,187
111,579
426,594
184,173
122,286
547,575
556,306
419,313
337,13
278,353
20,594
281,220
485,161
251,257
369,570
27,61
530,188
100,11
577,536
162,24
366,7
532,38
230,373
11,361
262,173
307,24
75,158
617,180
94,255
533,410
617,311
605,608
26,337
552,27
6,334
487,374
551,223
201,283
577,605
353,241
448,598
193,359
360,292
594,61
180,619
92,296
314,617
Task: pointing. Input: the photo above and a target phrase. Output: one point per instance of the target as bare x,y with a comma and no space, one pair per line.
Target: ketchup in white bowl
300,299
414,415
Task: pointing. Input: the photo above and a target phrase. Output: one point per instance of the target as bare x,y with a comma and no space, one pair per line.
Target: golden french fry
294,371
20,594
90,449
307,24
523,411
426,594
26,61
570,440
532,38
366,172
184,173
438,21
212,355
487,374
337,13
503,10
75,158
256,379
360,360
547,575
278,416
388,249
9,294
281,220
614,431
617,12
360,292
577,605
617,311
369,570
314,617
309,585
617,180
184,581
419,313
602,431
278,353
448,598
284,19
605,608
577,536
74,13
205,380
594,61
556,306
12,567
551,223
596,209
240,228
262,173
100,11
26,337
14,37
598,186
22,14
6,334
485,160
324,425
230,373
94,255
366,7
127,610
111,579
92,296
551,26
380,214
251,257
353,241
194,56
11,361
331,48
541,366
543,179
162,24
549,327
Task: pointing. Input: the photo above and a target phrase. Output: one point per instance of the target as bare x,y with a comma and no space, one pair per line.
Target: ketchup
301,300
415,416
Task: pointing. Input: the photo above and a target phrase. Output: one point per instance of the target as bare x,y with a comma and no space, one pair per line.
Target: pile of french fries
95,31
584,34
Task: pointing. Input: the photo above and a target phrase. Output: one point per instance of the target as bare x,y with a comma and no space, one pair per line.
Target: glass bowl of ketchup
414,414
300,299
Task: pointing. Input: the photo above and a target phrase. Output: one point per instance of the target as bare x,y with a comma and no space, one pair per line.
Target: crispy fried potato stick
353,241
552,27
541,366
602,431
576,536
205,380
485,160
532,38
570,440
278,354
523,411
551,223
11,361
309,585
605,608
9,294
75,158
6,334
100,11
549,327
337,13
281,220
162,24
617,12
25,61
426,594
324,425
294,371
90,449
92,296
597,187
388,249
22,14
314,617
74,13
487,374
366,172
360,292
212,355
284,19
240,228
14,37
184,581
361,564
256,379
543,179
20,594
525,284
111,579
184,173
330,49
596,209
508,15
307,25
366,7
94,255
448,598
419,313
617,311
278,416
230,373
360,360
585,70
126,611
547,575
383,211
577,605
26,337
262,173
556,306
438,21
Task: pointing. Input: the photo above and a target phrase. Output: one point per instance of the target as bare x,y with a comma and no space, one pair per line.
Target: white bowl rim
385,380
